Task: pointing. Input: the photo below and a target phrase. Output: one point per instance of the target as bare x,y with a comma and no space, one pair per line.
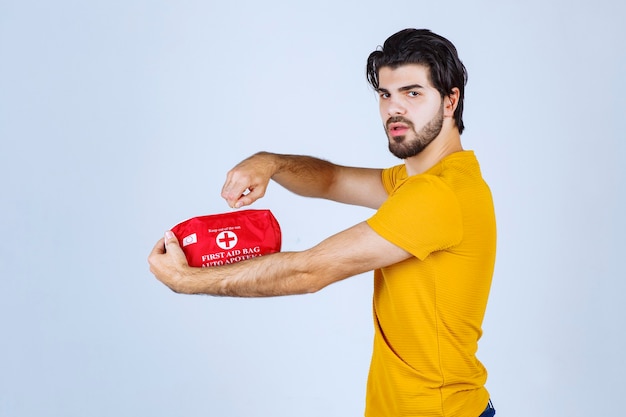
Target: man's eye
413,93
384,95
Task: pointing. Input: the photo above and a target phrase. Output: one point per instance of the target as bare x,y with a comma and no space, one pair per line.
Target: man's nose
395,107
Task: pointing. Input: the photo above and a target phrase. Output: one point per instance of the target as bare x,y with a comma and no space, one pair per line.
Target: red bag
222,239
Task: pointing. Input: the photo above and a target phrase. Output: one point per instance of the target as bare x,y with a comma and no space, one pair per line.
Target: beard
413,143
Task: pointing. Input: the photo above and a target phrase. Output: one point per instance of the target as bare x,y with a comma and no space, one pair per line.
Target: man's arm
305,176
351,252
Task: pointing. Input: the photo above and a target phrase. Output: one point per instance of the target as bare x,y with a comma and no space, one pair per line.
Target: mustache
398,119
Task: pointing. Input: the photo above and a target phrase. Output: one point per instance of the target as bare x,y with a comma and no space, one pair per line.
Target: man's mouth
397,129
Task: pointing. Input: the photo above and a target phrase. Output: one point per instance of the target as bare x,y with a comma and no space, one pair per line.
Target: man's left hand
169,264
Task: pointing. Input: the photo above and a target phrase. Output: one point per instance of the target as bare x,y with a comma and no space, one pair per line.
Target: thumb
170,240
172,247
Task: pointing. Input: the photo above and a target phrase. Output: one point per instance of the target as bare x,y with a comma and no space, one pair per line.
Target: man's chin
400,152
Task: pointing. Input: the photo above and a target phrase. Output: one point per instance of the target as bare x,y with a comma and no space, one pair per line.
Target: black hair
423,47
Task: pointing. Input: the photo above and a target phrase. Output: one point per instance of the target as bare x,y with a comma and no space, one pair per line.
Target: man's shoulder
393,176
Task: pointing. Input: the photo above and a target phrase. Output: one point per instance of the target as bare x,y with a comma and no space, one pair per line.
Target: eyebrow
405,88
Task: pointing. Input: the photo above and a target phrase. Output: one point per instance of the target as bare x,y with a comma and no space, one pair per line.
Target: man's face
410,107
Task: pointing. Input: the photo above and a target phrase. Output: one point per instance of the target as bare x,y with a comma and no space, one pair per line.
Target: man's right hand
248,180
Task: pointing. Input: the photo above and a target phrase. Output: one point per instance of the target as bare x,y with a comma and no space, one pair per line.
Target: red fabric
222,239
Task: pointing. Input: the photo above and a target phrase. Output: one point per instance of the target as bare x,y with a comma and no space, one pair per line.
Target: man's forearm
304,175
313,177
278,274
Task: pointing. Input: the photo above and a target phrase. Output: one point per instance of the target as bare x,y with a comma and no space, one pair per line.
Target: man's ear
450,102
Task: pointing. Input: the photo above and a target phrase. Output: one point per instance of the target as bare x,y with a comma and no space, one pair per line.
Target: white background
119,119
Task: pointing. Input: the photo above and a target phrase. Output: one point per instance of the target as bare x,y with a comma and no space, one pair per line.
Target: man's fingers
238,196
250,197
155,254
159,248
244,200
247,181
233,191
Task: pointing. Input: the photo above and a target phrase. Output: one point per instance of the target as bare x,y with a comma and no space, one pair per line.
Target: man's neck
448,142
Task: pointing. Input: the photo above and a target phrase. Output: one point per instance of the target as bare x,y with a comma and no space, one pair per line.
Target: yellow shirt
428,310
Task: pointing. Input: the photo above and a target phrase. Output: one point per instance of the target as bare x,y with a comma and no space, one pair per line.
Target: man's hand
169,264
248,180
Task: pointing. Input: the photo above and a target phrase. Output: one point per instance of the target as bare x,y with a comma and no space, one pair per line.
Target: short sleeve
421,215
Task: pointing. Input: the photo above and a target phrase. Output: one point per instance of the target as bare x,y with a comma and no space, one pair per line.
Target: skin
405,93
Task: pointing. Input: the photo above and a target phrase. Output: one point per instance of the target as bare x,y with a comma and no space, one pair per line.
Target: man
431,241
